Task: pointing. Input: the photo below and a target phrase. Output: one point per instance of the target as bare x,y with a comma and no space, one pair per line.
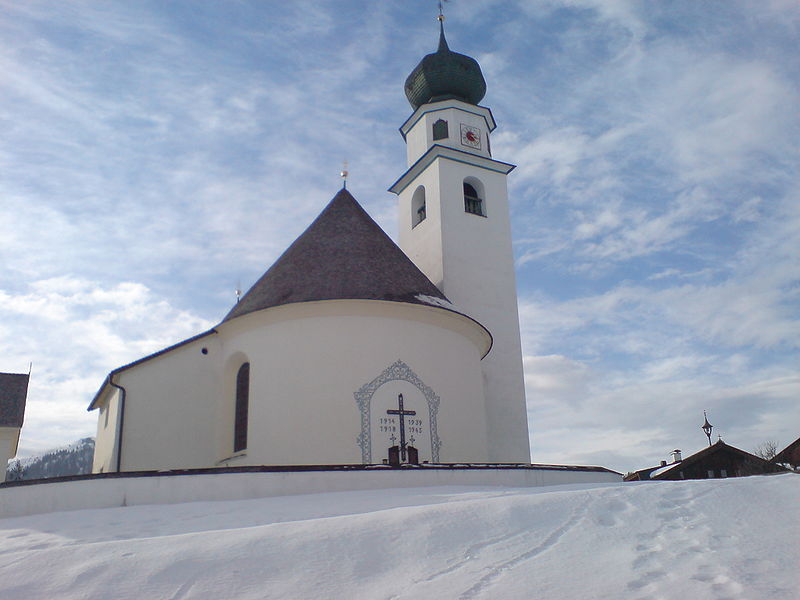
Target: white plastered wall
422,243
307,360
105,441
470,258
170,408
9,438
212,487
419,129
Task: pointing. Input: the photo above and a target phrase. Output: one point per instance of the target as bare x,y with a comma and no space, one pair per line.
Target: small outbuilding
13,394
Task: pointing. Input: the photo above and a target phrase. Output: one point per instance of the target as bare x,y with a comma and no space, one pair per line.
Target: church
351,349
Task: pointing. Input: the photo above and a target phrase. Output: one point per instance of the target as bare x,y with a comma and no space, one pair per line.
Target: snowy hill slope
717,539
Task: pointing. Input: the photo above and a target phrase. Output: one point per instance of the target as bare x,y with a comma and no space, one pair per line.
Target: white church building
351,349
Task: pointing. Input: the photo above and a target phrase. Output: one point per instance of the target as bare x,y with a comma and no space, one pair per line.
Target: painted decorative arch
397,371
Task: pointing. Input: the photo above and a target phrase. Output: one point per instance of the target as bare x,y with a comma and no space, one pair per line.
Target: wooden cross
401,413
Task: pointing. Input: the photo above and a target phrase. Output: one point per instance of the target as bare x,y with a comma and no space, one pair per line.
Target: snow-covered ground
720,539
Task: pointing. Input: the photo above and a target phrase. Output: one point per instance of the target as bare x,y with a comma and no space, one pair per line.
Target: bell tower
455,225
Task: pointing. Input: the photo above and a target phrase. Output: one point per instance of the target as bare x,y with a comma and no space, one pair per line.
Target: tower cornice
447,153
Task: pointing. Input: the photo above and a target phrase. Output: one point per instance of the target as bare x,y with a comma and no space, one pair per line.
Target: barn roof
13,393
343,254
790,454
719,446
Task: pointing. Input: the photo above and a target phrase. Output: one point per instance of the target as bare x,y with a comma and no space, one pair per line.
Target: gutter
122,396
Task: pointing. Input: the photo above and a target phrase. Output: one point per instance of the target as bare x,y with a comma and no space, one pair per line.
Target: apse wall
311,366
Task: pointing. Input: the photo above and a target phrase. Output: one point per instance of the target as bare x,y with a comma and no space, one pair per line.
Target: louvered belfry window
472,203
242,401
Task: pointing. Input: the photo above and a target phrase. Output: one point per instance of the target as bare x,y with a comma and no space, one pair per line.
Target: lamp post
707,427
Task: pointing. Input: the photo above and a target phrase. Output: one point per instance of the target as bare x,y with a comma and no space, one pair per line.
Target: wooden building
716,461
789,455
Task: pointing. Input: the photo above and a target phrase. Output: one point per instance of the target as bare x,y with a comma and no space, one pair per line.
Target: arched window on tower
473,200
440,130
242,402
418,206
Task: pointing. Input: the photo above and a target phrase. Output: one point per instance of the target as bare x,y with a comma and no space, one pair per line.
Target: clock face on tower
470,136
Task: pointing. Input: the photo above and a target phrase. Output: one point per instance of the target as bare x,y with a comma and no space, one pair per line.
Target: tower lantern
707,427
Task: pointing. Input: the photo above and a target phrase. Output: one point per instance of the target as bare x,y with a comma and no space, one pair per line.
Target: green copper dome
445,74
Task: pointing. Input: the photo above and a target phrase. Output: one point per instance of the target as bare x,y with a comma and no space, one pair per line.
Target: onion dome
445,74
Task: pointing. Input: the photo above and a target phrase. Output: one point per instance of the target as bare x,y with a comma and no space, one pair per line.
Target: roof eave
439,151
94,403
489,337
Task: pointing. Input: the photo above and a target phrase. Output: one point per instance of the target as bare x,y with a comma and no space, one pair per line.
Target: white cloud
630,418
748,210
643,149
557,377
74,332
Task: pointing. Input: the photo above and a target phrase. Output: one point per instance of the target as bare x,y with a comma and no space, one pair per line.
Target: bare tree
766,450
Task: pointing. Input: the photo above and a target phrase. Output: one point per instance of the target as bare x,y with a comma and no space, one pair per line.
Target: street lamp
707,427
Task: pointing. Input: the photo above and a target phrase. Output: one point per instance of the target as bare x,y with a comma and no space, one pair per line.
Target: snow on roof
434,301
661,470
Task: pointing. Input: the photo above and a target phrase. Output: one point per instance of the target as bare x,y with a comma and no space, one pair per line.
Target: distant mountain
75,459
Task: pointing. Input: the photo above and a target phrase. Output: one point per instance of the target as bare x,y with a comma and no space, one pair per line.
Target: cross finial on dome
442,41
445,74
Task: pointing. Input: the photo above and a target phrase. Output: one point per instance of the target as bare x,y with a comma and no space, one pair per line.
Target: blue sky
153,155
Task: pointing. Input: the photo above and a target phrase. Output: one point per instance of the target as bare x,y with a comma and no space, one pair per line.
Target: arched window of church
242,401
418,207
440,130
473,197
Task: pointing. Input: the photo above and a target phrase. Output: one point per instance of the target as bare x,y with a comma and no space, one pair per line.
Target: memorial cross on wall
402,414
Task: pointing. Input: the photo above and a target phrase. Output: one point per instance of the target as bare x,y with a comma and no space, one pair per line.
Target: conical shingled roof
343,254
